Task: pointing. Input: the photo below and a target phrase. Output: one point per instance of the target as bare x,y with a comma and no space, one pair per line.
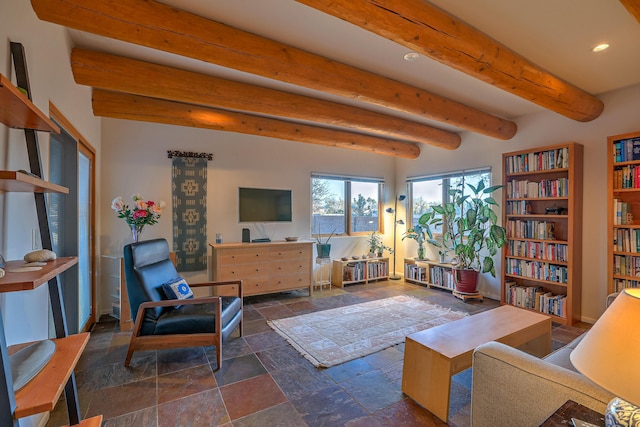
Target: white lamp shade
610,351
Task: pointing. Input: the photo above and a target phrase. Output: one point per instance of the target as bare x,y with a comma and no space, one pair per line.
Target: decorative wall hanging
189,195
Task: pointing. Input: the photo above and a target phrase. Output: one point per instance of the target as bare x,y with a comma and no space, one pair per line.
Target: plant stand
464,296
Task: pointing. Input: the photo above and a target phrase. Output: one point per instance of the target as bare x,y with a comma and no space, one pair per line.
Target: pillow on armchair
177,289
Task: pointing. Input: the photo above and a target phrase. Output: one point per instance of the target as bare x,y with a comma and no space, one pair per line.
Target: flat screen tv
264,205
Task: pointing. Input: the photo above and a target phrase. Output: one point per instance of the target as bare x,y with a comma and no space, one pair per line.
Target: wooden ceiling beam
430,31
159,26
633,6
134,107
126,75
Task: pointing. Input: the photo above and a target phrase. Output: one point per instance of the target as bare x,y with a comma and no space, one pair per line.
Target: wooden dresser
264,267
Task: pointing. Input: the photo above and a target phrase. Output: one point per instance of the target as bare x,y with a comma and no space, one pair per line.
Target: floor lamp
396,222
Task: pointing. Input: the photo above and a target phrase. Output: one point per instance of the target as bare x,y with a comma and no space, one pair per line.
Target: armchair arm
513,388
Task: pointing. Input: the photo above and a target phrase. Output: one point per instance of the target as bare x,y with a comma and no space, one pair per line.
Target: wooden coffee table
432,356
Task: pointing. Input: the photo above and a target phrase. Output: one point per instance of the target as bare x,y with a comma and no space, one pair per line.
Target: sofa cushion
560,357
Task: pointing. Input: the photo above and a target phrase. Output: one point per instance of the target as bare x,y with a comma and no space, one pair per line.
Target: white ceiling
555,34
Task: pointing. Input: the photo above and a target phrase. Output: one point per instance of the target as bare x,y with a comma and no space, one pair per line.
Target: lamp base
622,413
395,277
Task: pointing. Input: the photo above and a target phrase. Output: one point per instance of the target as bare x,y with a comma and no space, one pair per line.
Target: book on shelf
626,150
621,213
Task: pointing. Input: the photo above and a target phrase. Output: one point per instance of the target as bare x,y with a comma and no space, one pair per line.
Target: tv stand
262,240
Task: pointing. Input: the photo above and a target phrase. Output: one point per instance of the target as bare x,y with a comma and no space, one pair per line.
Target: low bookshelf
364,270
429,273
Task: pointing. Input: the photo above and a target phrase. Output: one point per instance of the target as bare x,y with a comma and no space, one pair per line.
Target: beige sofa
512,388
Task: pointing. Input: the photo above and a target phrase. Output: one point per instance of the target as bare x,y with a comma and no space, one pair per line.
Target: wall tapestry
189,194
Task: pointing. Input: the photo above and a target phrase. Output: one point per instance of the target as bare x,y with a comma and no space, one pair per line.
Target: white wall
134,159
620,116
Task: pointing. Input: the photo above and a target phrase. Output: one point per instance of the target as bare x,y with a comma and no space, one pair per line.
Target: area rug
330,337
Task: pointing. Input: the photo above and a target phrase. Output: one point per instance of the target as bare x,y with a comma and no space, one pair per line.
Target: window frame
446,178
348,215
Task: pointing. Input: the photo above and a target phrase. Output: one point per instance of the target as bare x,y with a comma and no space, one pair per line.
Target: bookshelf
623,219
542,213
362,270
429,273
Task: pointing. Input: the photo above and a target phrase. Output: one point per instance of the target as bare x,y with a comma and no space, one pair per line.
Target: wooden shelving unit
542,212
16,181
42,392
429,273
359,271
26,281
623,236
17,111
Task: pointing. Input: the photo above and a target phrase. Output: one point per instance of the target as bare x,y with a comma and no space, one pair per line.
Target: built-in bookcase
542,213
623,219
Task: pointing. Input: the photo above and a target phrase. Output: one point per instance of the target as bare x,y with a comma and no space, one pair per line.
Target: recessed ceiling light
411,56
600,47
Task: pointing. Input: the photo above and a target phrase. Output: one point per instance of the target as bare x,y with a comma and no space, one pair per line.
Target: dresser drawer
243,271
243,256
287,267
256,287
293,252
291,281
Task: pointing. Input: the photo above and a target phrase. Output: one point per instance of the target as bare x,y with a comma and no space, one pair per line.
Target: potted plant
470,231
323,248
376,247
418,233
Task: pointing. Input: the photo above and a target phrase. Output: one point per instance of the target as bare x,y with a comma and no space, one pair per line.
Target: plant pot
323,250
421,252
466,280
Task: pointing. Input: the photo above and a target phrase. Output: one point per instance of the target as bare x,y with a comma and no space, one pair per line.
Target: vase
466,280
421,252
323,250
136,231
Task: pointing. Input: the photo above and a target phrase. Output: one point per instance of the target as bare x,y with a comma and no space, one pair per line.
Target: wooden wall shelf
25,281
43,391
16,181
17,111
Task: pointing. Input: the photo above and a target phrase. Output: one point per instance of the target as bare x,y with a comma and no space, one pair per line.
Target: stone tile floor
263,380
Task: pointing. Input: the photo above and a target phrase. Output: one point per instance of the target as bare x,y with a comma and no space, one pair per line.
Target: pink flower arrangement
143,212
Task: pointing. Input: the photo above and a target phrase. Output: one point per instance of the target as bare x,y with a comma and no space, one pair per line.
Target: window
330,211
427,191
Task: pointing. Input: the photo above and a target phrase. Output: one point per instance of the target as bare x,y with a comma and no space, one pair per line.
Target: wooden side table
571,409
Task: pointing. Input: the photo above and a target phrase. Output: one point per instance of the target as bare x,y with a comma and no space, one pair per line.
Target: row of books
537,270
377,269
620,284
626,265
536,298
416,272
353,272
626,177
539,161
530,229
626,150
441,276
539,250
626,240
538,189
622,211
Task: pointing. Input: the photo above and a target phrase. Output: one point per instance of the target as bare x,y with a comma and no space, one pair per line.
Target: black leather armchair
158,323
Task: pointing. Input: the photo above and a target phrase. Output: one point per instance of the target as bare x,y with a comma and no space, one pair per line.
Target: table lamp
608,355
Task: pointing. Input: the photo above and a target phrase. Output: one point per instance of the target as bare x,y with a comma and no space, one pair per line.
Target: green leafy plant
418,233
469,225
375,244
